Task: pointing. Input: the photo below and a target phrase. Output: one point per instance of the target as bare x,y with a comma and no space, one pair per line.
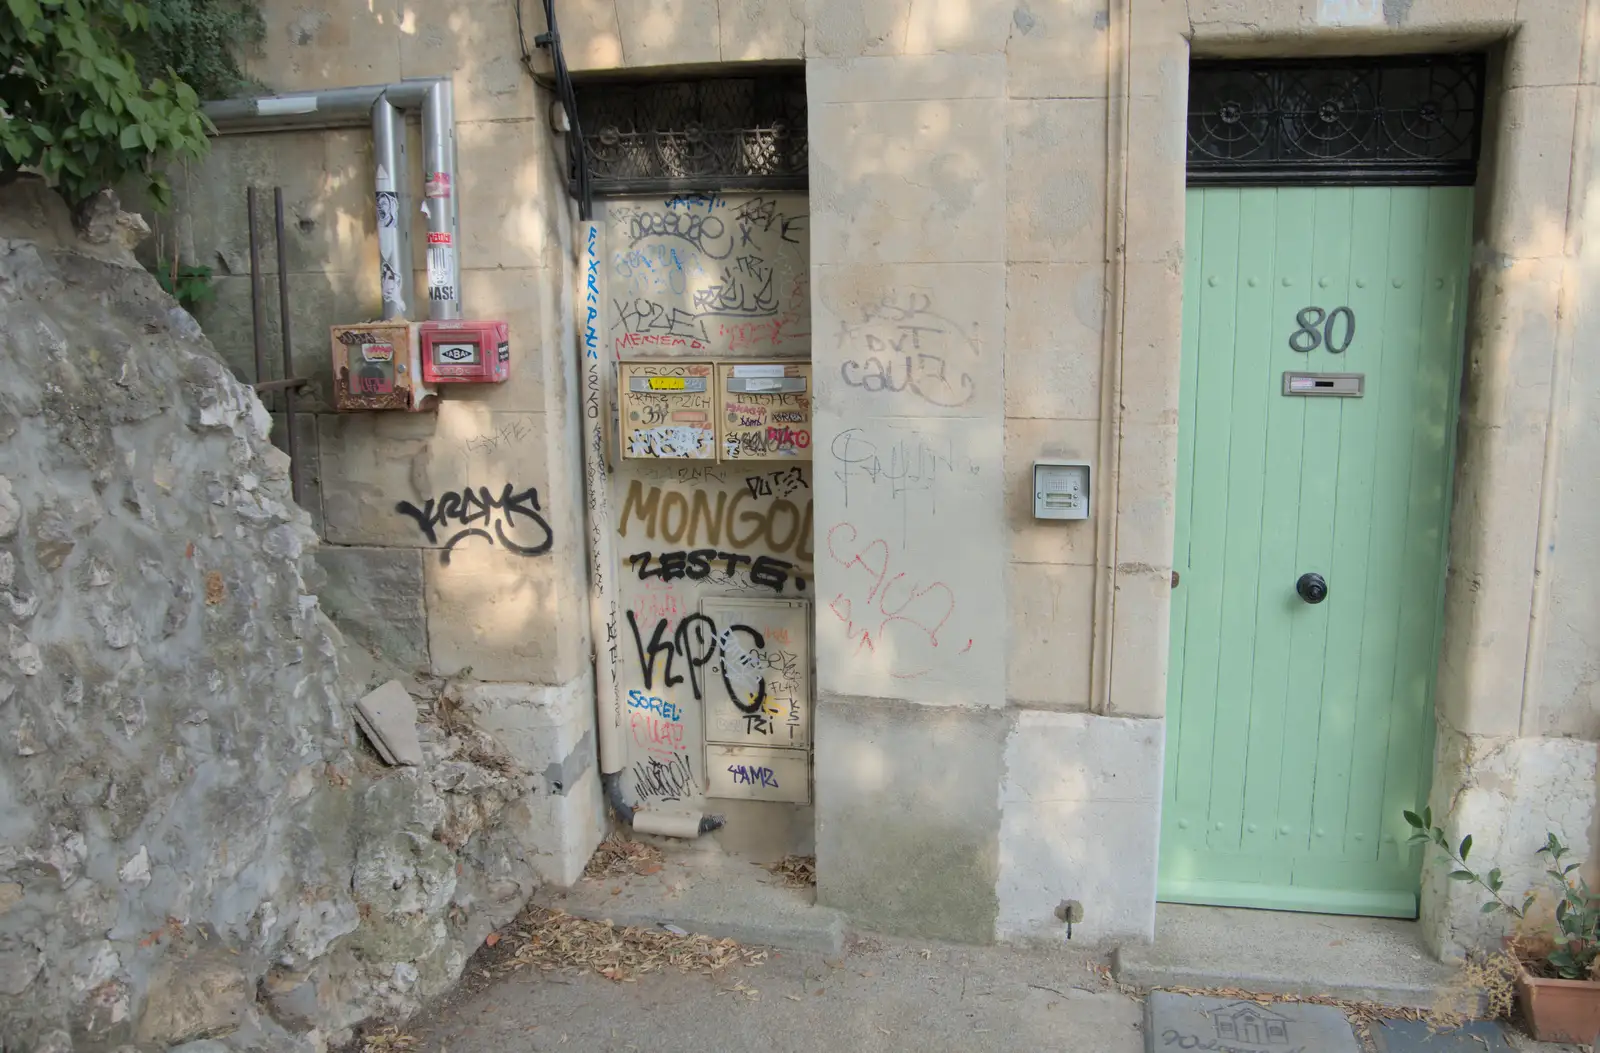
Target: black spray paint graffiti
706,233
699,564
468,507
649,318
781,483
745,290
697,642
761,214
668,780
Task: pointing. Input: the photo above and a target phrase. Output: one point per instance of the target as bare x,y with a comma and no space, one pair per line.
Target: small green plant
191,284
1576,939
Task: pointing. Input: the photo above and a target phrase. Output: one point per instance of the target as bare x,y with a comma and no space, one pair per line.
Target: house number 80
1309,337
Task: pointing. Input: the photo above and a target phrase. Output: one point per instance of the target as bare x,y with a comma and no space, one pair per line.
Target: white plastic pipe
603,613
1119,71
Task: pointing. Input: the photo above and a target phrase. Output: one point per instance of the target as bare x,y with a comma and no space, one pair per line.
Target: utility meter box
763,664
465,352
764,409
378,366
758,709
1060,490
667,411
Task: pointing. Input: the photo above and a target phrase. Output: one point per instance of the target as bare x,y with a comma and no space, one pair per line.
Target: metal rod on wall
258,330
283,324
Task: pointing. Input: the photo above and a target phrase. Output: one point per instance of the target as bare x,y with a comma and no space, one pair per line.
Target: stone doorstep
709,895
1376,960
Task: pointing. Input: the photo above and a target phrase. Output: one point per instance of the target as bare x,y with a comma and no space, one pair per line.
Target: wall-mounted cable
561,86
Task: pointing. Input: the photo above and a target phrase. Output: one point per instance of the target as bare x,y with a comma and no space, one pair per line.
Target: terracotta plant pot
1560,1010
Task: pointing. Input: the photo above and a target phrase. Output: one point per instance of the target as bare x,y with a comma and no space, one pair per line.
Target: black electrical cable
561,85
547,83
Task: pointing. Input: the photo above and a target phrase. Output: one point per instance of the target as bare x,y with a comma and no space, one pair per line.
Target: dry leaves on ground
552,939
389,1040
616,856
796,871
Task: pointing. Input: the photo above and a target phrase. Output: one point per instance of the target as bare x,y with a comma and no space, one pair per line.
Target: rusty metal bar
294,383
257,323
288,364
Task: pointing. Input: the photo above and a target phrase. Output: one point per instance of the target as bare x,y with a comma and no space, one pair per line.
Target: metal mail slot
667,385
766,385
1340,385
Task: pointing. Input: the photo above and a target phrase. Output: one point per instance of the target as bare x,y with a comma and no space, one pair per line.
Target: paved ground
877,996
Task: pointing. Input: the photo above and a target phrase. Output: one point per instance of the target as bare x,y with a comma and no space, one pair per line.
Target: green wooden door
1297,732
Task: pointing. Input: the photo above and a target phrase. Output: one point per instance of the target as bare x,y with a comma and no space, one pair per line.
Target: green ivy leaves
75,108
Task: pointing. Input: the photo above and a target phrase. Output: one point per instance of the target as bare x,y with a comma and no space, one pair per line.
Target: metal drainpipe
439,201
351,107
394,217
1119,73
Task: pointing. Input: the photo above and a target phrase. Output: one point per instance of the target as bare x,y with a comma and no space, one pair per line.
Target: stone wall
195,842
511,626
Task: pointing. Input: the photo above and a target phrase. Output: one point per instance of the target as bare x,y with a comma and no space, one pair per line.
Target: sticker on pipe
441,259
437,184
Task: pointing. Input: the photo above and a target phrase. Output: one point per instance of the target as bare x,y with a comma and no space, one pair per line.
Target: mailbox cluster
714,411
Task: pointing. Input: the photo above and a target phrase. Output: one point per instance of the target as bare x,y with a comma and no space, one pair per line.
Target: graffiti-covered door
709,315
1323,330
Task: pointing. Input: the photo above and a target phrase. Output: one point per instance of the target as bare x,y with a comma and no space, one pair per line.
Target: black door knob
1312,588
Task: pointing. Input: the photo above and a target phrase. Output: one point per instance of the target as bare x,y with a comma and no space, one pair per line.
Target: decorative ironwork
1414,119
708,134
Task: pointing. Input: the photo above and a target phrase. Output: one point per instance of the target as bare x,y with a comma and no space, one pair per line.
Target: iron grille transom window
1415,119
702,134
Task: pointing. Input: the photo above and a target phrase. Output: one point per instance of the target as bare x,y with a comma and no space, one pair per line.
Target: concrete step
1360,959
702,891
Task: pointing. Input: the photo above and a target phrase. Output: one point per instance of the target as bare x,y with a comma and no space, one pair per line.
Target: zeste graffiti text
764,572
